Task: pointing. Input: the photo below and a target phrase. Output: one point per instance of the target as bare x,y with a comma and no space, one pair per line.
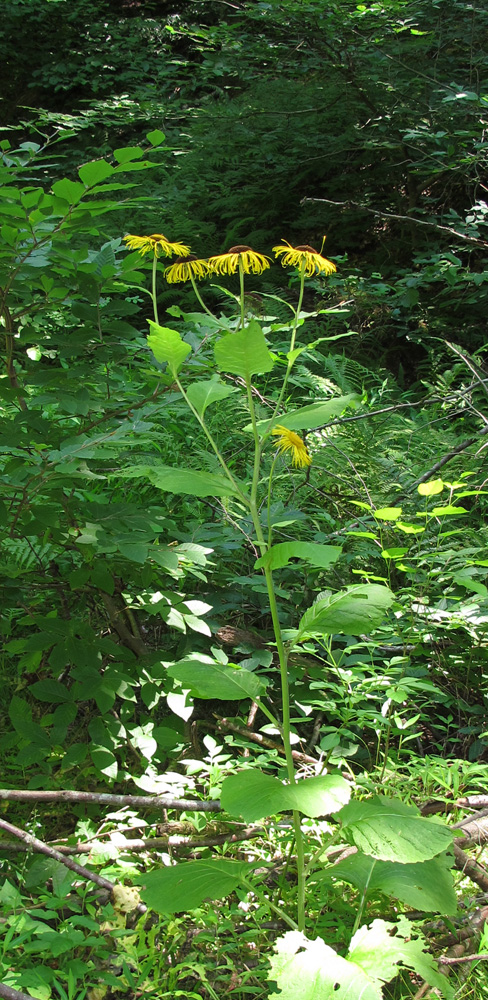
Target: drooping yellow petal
289,441
228,263
185,269
156,244
304,256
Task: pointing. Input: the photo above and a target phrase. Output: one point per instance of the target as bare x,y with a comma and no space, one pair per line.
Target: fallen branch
108,799
470,868
9,994
302,758
354,205
51,852
444,960
136,845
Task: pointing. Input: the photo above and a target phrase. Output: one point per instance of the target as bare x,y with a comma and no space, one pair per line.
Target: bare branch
51,852
402,218
9,994
108,799
137,845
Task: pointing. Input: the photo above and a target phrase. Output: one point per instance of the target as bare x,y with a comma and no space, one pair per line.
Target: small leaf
388,513
94,172
156,137
185,886
244,353
167,345
127,153
317,555
202,394
51,691
431,488
70,191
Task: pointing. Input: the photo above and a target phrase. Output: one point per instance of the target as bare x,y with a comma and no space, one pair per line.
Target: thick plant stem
292,345
283,661
241,283
153,296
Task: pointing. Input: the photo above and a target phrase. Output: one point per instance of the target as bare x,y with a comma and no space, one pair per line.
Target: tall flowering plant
241,350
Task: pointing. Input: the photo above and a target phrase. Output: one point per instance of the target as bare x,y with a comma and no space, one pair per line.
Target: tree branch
152,843
51,852
9,994
402,218
108,799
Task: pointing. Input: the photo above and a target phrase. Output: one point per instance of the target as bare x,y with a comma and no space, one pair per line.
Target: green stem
270,481
267,902
212,444
199,297
241,284
292,345
283,660
153,293
361,906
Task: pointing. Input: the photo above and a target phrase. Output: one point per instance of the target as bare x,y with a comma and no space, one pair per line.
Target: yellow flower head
228,263
156,244
289,441
304,255
182,269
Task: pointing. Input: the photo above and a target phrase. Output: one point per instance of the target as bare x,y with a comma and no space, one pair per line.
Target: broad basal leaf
423,885
383,949
253,795
185,886
311,970
244,353
317,555
167,345
352,611
205,678
391,830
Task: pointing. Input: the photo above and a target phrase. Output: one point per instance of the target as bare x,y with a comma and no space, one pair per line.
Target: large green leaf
352,611
317,555
202,394
314,415
244,353
205,678
167,345
383,949
423,885
191,482
185,886
253,795
311,970
391,830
